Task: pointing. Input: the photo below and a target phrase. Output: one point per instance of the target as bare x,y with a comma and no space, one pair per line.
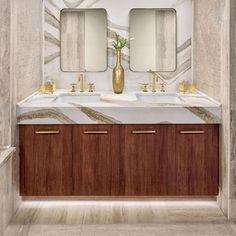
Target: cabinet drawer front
196,160
46,160
96,156
143,160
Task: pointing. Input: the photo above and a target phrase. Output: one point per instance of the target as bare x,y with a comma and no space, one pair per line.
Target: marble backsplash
118,21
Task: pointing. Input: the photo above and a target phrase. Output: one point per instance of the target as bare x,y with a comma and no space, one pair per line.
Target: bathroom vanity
135,144
130,145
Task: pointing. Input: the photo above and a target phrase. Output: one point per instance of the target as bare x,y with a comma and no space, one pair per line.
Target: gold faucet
154,82
81,80
145,87
73,88
90,87
162,89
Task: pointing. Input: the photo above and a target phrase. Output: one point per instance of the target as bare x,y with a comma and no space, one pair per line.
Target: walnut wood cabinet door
96,160
145,153
46,160
193,170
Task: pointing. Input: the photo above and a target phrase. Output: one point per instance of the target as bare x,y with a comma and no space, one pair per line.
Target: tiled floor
139,218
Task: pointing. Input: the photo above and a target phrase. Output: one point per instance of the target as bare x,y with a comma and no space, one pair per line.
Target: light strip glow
179,203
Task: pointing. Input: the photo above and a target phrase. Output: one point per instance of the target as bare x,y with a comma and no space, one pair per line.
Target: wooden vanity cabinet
194,168
145,151
96,160
119,160
46,160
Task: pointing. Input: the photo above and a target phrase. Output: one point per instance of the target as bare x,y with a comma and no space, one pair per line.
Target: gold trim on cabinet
95,132
47,132
143,132
193,132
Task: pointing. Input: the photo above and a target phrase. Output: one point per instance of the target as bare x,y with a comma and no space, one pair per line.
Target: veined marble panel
6,188
211,73
5,81
5,154
118,21
26,67
233,110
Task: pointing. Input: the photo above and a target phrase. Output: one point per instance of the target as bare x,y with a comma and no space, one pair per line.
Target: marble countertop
5,154
102,107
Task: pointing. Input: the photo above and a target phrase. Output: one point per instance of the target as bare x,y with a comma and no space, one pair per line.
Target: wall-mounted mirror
154,41
83,40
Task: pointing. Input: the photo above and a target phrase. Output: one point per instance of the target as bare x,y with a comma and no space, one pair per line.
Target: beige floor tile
120,219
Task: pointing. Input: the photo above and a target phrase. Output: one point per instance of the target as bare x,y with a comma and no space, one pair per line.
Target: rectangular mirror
154,43
83,40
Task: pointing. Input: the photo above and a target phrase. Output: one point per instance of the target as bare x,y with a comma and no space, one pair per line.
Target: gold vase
118,74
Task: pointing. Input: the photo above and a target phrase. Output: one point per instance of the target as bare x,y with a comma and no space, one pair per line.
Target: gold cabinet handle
192,132
48,132
143,132
95,132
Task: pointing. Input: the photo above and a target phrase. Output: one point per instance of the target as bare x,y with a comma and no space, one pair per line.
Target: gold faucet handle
73,87
90,87
145,87
163,89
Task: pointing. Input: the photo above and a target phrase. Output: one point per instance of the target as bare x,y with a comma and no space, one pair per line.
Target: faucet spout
81,80
154,81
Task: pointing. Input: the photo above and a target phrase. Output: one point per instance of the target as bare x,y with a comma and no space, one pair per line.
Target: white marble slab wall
6,108
26,69
118,21
5,79
26,53
28,47
6,189
20,75
233,111
211,73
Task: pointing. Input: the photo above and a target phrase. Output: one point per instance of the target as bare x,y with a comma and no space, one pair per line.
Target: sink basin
159,98
78,98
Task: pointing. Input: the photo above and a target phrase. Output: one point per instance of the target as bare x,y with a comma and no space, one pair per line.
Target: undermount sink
159,98
78,98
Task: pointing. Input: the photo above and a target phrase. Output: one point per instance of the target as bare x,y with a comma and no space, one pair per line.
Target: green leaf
119,42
